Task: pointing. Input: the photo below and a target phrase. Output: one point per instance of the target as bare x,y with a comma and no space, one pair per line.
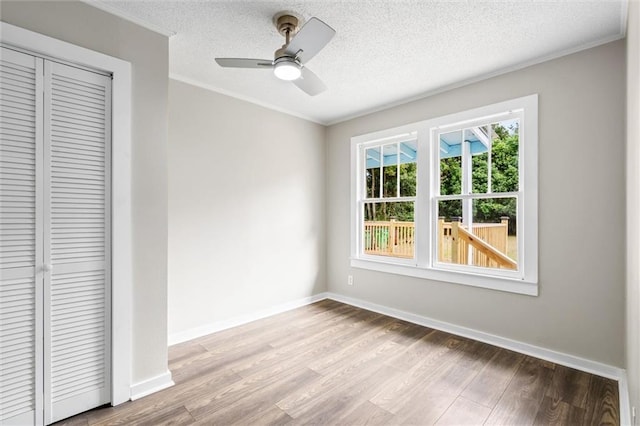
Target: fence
390,238
486,245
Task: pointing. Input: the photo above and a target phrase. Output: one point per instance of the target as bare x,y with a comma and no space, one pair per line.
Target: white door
71,230
76,240
21,278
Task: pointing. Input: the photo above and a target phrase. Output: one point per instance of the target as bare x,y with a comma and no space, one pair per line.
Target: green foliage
479,174
504,158
401,211
451,176
450,209
408,179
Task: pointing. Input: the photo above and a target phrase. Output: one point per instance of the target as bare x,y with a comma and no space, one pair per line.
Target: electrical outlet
350,280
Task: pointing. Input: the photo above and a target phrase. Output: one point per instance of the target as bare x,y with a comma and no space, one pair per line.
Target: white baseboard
149,386
193,333
572,361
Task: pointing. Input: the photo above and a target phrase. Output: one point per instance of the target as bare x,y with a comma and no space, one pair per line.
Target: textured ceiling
384,52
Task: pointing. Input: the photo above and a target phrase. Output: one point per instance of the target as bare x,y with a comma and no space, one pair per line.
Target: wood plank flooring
333,364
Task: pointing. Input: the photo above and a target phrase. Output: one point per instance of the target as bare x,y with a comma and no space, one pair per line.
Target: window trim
361,201
435,133
525,280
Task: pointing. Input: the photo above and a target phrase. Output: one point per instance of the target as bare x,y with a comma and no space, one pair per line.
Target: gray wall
246,208
633,204
85,26
580,310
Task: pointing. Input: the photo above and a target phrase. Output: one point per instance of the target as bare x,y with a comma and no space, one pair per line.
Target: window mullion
467,204
477,196
389,200
466,164
423,210
381,162
489,151
398,169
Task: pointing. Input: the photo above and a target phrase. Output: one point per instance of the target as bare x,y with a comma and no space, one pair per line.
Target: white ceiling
384,52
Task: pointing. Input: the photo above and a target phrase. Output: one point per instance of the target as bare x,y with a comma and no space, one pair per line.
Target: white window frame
397,138
425,264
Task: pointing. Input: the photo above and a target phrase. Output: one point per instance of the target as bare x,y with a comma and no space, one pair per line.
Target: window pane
372,173
448,211
408,169
402,211
479,173
373,183
390,170
488,239
479,141
389,229
504,156
450,151
495,222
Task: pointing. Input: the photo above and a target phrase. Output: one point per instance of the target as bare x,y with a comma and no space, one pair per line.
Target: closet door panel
76,245
20,238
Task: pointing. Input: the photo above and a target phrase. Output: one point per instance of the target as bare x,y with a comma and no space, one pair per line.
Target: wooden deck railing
488,241
487,244
389,238
483,253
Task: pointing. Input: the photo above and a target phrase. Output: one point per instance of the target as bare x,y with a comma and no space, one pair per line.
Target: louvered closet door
20,238
76,244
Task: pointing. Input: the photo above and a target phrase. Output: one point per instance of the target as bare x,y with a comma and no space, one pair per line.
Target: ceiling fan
301,44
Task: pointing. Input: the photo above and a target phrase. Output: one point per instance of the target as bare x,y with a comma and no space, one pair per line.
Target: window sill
483,281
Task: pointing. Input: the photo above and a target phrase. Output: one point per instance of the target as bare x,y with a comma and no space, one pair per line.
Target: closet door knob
46,267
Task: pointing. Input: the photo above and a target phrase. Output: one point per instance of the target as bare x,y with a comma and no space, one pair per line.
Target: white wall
633,204
580,310
85,26
246,209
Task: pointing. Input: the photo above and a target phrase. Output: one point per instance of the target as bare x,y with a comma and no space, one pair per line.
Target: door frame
121,218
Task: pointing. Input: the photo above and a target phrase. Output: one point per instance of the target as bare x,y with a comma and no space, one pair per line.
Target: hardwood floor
331,363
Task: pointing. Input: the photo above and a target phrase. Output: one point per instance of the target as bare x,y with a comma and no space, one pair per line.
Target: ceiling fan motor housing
287,24
281,53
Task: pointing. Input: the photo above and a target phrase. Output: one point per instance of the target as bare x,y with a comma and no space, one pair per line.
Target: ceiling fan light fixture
287,69
301,44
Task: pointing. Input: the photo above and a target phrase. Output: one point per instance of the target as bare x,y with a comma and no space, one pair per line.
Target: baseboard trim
572,361
152,385
194,333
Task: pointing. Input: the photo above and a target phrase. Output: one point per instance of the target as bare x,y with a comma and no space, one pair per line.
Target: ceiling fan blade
244,63
311,38
310,83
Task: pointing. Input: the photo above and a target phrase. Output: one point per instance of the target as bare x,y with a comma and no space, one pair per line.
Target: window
451,199
389,198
